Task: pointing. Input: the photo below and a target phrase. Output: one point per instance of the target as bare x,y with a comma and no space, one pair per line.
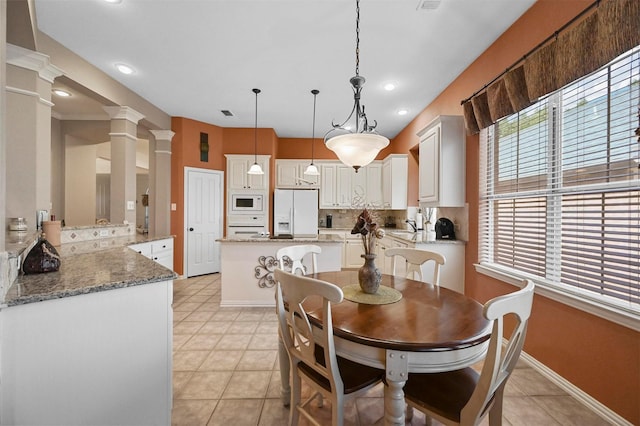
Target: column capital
162,135
34,61
123,113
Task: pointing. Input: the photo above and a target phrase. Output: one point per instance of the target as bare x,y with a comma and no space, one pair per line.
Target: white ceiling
194,58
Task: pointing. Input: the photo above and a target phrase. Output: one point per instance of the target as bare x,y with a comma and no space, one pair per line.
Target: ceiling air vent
226,113
428,4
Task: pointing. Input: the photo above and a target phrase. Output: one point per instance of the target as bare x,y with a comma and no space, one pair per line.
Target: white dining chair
312,355
414,259
464,397
296,254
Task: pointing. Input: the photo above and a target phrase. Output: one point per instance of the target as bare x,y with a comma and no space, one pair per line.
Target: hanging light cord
255,129
313,129
357,37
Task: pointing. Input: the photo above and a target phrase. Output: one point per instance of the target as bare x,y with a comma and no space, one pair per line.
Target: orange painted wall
185,148
295,148
598,356
185,152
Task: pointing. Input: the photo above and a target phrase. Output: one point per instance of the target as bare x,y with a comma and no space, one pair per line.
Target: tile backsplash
346,218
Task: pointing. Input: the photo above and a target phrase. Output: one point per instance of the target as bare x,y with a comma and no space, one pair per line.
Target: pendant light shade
312,170
255,169
359,147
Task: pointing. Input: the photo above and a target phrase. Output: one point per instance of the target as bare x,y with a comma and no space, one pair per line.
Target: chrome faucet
413,224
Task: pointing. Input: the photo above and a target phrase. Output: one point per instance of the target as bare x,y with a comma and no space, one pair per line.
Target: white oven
246,226
246,204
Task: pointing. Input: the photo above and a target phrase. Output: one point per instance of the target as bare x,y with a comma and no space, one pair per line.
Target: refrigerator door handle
291,224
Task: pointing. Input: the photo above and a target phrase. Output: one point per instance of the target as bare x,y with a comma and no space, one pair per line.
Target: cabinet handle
191,229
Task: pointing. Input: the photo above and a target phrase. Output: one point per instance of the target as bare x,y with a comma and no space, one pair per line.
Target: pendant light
312,170
359,147
255,169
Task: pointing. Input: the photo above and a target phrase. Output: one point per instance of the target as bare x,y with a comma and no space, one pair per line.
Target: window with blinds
560,188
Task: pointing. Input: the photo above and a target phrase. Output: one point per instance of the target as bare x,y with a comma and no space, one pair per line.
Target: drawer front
144,249
161,245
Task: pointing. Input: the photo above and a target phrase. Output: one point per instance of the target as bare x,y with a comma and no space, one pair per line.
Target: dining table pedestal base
397,372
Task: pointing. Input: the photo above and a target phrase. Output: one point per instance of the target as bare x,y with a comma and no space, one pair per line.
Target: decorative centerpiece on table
369,276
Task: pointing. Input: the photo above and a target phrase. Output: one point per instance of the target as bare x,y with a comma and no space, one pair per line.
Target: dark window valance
603,31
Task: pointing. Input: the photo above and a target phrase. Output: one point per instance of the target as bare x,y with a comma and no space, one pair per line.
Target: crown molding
123,113
34,61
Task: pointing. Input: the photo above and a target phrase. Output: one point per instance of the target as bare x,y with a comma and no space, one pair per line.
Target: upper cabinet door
442,163
237,167
328,182
290,174
395,177
429,170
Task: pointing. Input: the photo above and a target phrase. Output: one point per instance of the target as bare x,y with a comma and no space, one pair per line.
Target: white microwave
247,203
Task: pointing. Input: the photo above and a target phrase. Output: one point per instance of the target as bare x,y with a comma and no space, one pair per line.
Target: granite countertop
322,238
88,267
420,237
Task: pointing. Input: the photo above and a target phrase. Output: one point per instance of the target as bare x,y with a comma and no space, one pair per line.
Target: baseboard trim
590,402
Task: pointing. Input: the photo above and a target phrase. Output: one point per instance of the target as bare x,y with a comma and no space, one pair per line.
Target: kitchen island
247,266
90,343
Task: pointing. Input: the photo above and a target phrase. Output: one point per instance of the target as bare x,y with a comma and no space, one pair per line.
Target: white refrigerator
295,212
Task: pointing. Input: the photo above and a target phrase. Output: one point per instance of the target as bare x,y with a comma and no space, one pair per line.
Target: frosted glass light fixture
255,169
312,169
359,145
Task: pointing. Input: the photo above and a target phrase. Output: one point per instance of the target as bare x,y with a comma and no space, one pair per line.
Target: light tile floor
226,372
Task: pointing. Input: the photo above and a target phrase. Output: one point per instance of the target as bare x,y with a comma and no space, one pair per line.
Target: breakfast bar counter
247,266
81,343
88,272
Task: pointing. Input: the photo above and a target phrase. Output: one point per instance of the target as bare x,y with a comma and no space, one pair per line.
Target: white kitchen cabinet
395,175
342,187
374,185
160,251
366,186
442,163
385,263
452,272
335,185
353,251
290,174
237,168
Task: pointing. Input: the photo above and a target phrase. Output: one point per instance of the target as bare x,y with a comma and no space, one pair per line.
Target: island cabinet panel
102,358
247,267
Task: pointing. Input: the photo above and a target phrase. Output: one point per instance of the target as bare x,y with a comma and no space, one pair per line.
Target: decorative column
29,77
160,183
124,136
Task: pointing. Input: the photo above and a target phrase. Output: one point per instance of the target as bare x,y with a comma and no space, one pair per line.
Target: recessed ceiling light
113,1
428,4
403,111
124,69
61,93
389,86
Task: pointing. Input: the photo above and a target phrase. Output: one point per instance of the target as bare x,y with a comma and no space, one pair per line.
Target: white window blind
560,187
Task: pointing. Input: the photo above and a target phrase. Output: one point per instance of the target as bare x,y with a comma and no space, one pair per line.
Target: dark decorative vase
369,276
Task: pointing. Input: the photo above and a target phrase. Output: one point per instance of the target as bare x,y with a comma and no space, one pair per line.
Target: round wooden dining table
430,329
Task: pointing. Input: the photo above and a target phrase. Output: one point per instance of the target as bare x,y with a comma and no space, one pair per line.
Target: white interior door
203,220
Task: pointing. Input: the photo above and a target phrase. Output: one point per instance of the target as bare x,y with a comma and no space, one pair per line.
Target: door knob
190,229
